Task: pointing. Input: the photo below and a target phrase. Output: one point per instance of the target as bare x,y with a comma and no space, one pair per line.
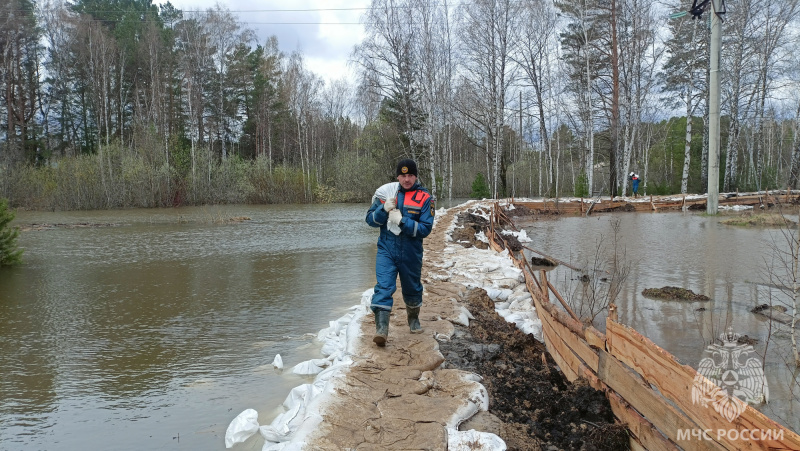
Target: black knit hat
406,166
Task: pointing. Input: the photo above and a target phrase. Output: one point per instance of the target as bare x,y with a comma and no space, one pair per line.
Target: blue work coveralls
401,253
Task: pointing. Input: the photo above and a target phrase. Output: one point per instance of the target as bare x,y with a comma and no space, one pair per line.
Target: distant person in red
634,178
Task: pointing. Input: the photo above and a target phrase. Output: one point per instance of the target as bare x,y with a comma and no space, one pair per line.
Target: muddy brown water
731,265
156,332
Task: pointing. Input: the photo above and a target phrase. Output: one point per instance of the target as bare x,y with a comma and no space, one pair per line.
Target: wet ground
410,393
537,408
528,393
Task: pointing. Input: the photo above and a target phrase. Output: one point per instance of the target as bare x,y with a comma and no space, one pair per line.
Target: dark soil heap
468,225
540,409
674,293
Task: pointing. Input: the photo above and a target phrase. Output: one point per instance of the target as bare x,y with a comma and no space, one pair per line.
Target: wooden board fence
581,206
648,389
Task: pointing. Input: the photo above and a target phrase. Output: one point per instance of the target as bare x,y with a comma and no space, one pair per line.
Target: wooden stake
563,302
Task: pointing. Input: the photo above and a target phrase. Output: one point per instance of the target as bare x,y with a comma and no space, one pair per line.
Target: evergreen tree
9,254
480,189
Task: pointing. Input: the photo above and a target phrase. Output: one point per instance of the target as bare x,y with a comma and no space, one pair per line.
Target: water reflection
164,325
725,263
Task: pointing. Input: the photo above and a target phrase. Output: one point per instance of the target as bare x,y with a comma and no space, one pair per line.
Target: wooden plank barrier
647,388
656,203
675,381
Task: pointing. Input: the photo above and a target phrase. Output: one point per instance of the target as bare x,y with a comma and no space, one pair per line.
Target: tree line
124,103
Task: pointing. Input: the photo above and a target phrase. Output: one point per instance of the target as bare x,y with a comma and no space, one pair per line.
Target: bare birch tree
385,58
536,36
485,30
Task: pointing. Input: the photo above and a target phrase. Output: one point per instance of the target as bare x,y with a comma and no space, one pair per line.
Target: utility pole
717,10
712,202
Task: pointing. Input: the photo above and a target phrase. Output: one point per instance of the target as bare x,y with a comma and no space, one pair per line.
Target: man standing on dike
411,212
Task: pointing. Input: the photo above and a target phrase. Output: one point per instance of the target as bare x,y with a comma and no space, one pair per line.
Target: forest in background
124,103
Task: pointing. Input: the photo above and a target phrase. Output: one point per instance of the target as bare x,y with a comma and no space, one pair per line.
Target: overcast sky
325,31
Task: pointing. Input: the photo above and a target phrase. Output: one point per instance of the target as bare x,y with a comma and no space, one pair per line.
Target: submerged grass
759,220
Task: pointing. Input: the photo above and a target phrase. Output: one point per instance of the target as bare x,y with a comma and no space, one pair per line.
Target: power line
209,10
280,10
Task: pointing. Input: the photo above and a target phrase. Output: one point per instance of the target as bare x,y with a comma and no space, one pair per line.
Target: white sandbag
472,440
278,362
532,327
388,191
504,294
302,394
332,371
332,330
352,333
463,317
329,348
366,297
527,304
499,280
511,272
477,400
241,428
307,368
523,237
516,296
283,425
520,289
518,317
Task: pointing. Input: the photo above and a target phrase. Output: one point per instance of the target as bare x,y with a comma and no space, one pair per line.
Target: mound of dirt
543,262
539,409
513,243
520,211
674,293
774,312
468,225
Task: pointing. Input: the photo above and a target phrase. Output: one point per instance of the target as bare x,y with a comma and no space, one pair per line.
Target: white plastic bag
241,428
388,191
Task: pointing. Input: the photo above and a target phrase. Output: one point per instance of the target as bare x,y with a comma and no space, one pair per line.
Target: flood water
156,332
731,265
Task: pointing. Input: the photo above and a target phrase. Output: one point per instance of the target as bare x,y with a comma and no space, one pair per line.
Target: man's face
407,180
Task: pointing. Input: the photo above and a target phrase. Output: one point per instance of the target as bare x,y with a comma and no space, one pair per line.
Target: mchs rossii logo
729,377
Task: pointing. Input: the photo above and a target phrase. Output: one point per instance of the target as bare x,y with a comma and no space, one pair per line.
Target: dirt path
407,395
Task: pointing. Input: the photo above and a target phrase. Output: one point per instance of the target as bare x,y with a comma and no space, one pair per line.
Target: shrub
9,254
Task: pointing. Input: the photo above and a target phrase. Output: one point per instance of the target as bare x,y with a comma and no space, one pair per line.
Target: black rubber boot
413,320
381,327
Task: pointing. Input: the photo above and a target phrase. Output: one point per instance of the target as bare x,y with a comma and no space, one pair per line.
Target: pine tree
9,254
